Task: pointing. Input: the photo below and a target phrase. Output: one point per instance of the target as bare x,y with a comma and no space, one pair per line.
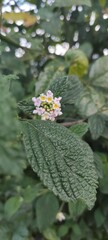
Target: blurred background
41,40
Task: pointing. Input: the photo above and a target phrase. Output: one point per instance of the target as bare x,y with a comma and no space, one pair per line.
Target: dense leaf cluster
58,45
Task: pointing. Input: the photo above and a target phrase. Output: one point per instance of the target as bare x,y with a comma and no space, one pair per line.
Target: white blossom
60,216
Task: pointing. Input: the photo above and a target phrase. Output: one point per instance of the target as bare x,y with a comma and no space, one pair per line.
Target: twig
10,41
61,207
68,124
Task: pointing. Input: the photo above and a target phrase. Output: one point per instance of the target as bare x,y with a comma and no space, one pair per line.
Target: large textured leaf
26,105
69,3
68,87
96,124
62,160
99,72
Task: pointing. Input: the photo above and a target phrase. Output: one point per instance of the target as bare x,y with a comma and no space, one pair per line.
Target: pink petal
49,93
34,111
58,112
37,102
33,99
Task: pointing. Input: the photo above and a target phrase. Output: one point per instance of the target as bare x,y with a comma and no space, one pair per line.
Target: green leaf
96,125
76,230
32,192
11,160
99,217
53,68
76,208
46,209
12,63
99,72
5,232
11,153
86,105
18,236
7,109
78,62
43,81
103,184
102,3
21,232
17,90
87,48
89,102
98,165
104,112
50,234
53,27
45,13
69,3
63,230
68,87
12,205
79,129
105,132
51,148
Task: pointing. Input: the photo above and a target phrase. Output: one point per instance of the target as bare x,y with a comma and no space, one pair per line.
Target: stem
61,207
10,41
68,124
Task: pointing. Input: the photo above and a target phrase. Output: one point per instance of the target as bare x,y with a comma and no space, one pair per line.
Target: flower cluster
47,106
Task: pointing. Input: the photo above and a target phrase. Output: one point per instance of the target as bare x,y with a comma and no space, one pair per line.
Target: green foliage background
65,49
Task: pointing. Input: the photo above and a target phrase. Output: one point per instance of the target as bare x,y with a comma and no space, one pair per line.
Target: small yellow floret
55,106
43,98
49,99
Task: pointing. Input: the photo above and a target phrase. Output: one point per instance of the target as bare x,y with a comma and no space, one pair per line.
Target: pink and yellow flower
47,106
